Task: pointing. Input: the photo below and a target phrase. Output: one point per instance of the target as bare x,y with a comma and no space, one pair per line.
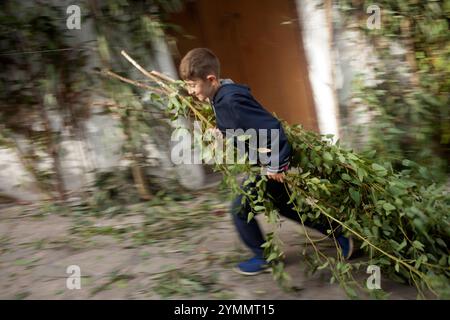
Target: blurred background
85,168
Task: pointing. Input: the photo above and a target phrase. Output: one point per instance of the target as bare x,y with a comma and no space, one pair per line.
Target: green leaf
303,176
375,231
351,292
418,245
259,208
424,172
314,180
346,177
371,154
250,216
327,156
175,102
401,245
355,195
406,163
377,167
441,242
381,171
388,207
272,256
377,222
418,223
361,174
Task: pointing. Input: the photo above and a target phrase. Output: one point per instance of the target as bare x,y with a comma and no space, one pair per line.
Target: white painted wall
318,55
350,55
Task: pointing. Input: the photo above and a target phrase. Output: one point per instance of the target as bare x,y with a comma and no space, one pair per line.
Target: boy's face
203,89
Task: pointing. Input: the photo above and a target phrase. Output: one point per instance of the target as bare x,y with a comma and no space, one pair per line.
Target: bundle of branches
404,228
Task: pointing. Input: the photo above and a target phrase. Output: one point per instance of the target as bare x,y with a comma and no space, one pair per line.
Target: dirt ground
149,251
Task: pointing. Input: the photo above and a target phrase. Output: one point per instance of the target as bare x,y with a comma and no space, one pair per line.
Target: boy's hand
276,176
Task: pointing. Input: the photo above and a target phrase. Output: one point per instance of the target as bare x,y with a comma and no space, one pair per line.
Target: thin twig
162,76
133,82
145,72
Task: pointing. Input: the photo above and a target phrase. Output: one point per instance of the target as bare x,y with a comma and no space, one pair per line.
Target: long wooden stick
162,76
145,72
133,82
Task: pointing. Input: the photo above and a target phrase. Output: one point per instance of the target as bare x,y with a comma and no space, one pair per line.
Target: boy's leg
250,232
278,191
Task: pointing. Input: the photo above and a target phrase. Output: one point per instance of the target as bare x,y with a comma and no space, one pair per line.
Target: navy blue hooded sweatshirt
236,108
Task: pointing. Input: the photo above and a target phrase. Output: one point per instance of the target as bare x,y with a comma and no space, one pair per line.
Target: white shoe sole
350,247
237,270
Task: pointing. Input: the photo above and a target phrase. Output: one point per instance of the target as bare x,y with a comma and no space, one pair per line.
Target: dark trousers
250,232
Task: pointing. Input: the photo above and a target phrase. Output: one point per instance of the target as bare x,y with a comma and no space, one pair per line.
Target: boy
235,108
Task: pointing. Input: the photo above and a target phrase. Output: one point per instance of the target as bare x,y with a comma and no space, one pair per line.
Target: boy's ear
211,78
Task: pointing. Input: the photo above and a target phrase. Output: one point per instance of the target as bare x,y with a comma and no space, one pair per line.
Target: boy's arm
251,114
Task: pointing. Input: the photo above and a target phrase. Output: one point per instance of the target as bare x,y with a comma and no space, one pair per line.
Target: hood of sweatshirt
228,86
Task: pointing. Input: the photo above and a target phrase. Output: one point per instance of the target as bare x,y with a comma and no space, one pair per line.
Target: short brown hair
198,64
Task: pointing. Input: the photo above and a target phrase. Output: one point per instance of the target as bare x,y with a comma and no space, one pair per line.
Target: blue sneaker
347,246
253,266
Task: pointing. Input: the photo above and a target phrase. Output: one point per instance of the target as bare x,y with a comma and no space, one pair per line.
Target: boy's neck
216,87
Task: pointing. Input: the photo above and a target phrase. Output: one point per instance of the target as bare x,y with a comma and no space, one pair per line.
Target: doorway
259,44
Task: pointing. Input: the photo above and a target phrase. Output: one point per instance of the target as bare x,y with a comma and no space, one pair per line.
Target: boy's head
200,69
